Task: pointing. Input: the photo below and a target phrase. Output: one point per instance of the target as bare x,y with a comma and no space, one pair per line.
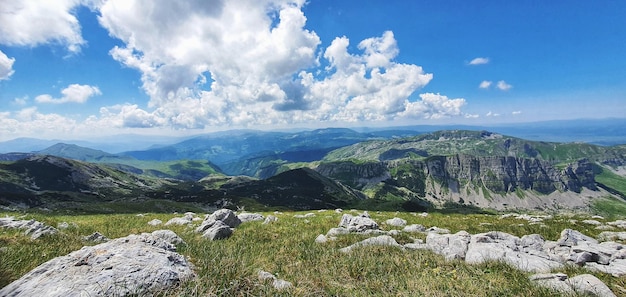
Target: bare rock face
134,265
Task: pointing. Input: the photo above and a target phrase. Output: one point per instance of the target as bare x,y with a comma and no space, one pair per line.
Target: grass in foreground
287,249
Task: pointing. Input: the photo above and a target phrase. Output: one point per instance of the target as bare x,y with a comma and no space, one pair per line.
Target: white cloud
479,61
29,121
485,84
216,64
74,93
516,112
502,85
492,114
6,66
20,101
434,106
37,22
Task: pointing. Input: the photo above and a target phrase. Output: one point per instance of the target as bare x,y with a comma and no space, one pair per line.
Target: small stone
155,222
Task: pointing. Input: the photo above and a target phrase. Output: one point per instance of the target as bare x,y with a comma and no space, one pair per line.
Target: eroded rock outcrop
134,265
33,228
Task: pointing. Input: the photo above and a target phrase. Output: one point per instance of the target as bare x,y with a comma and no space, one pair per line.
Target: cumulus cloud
37,22
479,61
74,93
492,114
29,121
502,85
485,84
516,112
6,66
212,63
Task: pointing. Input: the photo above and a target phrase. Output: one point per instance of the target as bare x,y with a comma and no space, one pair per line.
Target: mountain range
325,168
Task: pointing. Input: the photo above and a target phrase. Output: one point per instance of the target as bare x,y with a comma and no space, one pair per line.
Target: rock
618,224
249,217
382,240
396,222
571,237
225,215
591,222
337,231
281,284
321,238
179,221
500,246
63,225
338,210
307,215
155,222
415,228
358,224
450,246
217,230
31,227
169,236
278,284
581,284
607,236
270,219
423,214
437,230
616,268
95,237
134,265
264,275
597,217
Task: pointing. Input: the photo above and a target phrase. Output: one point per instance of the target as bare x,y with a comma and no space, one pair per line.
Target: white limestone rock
134,265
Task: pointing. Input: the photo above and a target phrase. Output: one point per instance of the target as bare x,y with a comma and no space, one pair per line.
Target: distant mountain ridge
330,168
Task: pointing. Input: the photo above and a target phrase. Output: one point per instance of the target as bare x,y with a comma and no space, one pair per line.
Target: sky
89,68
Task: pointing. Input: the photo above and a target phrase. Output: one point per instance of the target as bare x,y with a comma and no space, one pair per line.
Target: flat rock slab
134,265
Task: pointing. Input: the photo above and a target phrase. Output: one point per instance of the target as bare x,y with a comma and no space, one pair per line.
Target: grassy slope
287,249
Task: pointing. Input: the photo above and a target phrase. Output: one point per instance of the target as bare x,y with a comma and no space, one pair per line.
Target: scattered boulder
278,284
134,265
307,215
592,222
396,222
580,284
250,217
214,230
382,240
414,228
33,228
359,223
270,219
227,216
169,236
155,222
95,237
321,238
185,220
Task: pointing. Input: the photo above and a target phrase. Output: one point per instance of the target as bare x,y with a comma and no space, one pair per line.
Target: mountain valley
326,168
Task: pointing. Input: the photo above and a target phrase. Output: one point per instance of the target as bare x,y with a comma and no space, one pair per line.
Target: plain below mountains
324,169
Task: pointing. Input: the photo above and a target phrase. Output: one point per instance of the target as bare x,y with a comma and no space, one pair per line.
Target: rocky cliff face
463,175
507,174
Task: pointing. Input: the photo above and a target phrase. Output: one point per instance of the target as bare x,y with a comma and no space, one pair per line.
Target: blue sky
88,68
